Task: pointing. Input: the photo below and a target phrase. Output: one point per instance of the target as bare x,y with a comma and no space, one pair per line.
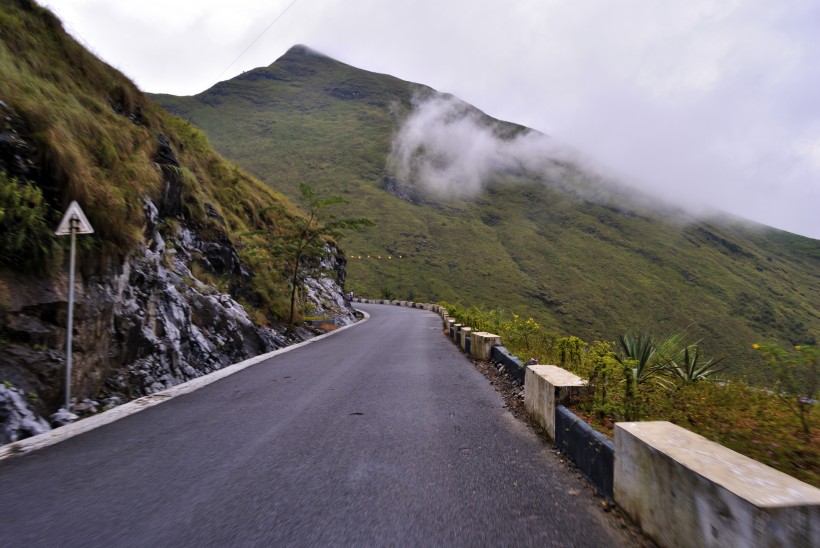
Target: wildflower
756,346
797,347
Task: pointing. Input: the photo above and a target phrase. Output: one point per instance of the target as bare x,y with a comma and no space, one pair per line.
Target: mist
448,149
706,103
452,150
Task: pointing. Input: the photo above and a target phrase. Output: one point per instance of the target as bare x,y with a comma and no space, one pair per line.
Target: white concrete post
685,490
481,345
465,332
546,387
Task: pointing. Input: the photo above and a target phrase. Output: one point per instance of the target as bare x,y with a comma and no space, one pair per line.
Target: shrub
797,379
27,241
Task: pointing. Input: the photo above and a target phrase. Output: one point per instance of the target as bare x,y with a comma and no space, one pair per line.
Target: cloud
446,148
450,149
701,101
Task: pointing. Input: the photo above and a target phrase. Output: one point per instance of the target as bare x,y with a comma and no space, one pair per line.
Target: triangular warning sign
81,224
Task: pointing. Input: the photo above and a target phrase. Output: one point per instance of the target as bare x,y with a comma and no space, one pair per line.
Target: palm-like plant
641,351
688,365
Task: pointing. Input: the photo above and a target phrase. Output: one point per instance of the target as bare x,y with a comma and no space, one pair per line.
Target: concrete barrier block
456,331
545,387
684,490
481,345
465,332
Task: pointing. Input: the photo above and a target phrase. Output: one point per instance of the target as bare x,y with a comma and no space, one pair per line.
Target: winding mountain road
384,434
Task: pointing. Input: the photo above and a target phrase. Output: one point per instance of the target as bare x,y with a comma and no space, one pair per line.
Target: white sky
709,103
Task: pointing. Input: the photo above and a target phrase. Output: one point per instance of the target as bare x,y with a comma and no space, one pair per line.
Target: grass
92,136
592,267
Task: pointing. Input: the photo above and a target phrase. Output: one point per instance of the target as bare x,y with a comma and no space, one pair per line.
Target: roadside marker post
74,222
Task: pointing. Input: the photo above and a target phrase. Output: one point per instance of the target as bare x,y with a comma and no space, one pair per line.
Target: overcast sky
706,102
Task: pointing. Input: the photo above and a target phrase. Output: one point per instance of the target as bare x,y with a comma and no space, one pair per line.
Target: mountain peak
552,234
301,53
301,49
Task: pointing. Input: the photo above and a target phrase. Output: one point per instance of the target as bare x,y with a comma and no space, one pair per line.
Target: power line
255,40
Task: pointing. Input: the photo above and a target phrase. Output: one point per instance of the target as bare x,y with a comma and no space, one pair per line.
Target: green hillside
581,255
74,128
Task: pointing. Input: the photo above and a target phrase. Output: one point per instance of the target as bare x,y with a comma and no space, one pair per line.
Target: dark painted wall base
514,365
590,450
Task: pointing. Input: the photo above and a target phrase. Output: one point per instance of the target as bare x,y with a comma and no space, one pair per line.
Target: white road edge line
134,406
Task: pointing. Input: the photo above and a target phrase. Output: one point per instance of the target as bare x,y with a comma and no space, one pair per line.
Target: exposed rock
111,403
322,291
62,417
17,421
171,202
350,92
143,327
85,407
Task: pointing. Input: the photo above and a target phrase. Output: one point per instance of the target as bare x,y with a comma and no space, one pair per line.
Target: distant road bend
383,434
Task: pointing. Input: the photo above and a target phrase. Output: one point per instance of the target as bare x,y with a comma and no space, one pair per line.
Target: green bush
27,240
798,381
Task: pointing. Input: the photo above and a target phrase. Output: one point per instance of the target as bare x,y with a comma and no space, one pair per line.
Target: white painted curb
95,421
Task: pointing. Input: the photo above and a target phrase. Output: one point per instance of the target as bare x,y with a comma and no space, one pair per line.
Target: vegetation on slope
641,378
576,254
76,129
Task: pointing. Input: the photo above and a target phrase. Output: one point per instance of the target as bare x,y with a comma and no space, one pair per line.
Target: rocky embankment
145,326
144,322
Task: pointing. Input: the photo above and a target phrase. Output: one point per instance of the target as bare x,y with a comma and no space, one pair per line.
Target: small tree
304,238
798,380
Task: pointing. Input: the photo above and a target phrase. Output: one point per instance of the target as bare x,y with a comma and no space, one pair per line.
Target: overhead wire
255,40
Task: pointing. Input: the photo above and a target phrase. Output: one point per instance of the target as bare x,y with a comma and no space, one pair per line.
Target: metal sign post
74,222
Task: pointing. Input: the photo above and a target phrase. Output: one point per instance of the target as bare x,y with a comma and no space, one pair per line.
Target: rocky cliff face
159,285
146,325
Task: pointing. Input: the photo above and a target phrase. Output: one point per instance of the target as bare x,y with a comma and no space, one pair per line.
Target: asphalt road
382,435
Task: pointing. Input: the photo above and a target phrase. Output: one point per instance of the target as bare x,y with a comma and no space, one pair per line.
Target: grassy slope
589,269
94,138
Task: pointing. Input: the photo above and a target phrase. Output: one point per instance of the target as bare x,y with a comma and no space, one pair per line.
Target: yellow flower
756,346
797,347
